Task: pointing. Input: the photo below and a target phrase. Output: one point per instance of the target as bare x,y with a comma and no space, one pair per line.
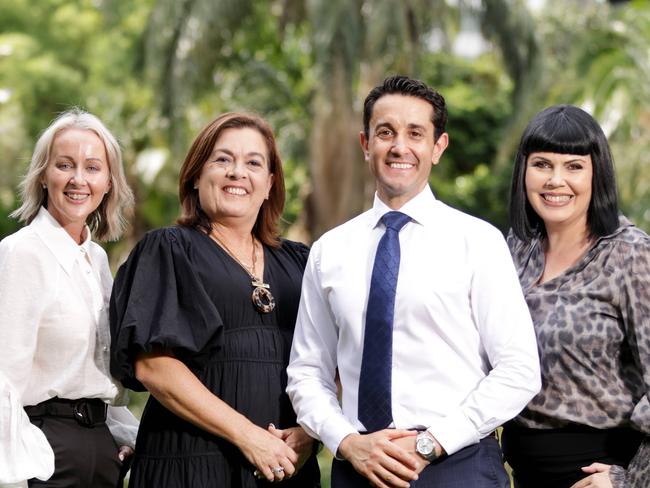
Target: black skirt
542,458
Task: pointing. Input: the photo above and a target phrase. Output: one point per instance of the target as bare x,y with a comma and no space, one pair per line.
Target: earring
44,187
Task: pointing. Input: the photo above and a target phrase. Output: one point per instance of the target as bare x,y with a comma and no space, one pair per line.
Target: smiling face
235,180
77,178
558,187
400,147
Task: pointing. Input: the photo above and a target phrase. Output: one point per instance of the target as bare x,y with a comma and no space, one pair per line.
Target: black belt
87,411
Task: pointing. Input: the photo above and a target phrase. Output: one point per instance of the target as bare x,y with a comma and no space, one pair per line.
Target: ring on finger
278,470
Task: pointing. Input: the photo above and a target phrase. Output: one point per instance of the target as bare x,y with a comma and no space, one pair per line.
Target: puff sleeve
159,299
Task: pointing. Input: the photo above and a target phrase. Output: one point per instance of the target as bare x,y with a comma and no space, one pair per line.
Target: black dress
179,290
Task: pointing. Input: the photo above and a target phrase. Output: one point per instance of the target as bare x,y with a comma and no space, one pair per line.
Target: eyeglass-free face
77,178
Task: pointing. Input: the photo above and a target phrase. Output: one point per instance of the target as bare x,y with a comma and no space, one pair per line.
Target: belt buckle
82,414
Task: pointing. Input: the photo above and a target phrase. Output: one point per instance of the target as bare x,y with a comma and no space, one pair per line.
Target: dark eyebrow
388,125
255,153
382,125
216,150
575,161
232,155
546,160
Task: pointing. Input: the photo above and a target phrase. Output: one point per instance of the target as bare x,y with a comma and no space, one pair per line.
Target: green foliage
478,101
157,71
113,57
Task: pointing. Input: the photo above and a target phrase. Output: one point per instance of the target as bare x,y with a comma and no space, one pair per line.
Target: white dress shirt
54,297
464,352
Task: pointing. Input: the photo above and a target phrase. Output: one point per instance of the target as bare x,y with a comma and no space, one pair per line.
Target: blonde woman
62,423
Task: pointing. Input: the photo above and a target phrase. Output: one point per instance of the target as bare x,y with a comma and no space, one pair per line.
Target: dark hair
403,85
565,129
192,215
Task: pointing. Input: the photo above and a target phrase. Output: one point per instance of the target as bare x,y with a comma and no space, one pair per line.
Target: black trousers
476,466
84,457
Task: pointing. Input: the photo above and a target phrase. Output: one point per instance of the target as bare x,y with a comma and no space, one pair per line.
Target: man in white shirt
461,357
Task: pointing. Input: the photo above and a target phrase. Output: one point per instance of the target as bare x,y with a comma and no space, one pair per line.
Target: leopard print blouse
593,333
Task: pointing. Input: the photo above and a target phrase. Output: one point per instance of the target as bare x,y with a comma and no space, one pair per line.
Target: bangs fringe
563,135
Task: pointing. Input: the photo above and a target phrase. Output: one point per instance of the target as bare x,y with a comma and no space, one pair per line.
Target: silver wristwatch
425,446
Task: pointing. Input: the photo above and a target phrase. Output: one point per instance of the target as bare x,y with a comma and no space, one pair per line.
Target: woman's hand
599,477
268,453
180,391
124,452
298,440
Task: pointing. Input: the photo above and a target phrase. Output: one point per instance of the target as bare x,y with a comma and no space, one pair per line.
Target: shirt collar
420,208
58,241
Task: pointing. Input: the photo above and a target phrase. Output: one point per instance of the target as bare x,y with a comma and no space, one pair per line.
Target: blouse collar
58,241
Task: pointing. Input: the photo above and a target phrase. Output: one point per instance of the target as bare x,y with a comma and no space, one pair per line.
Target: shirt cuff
454,432
334,431
122,425
25,451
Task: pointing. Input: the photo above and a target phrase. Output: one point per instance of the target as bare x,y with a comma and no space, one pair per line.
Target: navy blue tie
375,410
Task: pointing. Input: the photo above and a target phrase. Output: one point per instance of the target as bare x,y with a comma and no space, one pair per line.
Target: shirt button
105,348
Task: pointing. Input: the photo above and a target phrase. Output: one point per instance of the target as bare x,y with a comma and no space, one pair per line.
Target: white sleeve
24,450
123,425
312,366
506,330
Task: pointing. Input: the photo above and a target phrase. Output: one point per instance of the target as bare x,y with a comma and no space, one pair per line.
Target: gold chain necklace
262,297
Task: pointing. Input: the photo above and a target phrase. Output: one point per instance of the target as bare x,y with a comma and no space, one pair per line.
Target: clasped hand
277,454
386,458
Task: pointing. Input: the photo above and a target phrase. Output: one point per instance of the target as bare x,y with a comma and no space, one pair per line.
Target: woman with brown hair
202,316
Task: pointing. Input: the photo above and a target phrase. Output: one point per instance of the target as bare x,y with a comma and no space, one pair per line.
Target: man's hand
408,444
386,464
598,479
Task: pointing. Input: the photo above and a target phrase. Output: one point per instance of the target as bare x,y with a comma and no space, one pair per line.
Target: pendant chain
249,269
262,297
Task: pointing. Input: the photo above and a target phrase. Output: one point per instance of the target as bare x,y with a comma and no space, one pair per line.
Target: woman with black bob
202,315
585,272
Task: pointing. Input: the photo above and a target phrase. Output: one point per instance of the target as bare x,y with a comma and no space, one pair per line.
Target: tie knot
395,220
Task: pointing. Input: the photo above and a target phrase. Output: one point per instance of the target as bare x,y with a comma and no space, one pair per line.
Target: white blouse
54,297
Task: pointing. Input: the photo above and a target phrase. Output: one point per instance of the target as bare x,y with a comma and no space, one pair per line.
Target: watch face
424,445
